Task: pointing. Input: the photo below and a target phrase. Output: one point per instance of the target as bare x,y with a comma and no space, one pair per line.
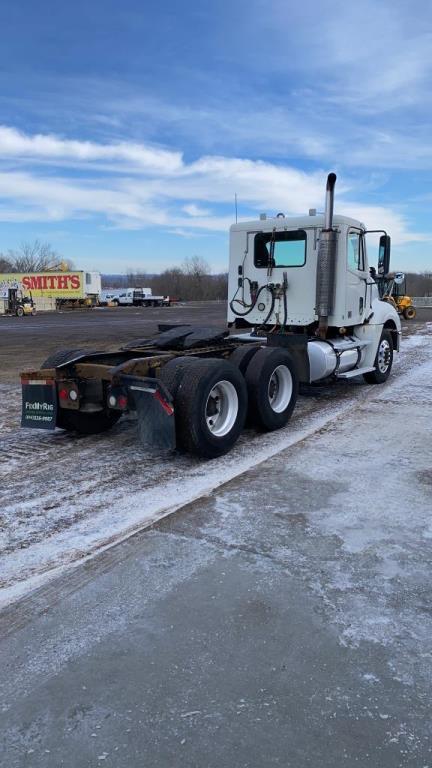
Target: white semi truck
303,306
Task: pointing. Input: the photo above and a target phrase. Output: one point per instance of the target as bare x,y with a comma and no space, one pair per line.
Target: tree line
192,281
419,283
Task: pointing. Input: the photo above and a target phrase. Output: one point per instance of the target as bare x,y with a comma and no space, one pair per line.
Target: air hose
252,306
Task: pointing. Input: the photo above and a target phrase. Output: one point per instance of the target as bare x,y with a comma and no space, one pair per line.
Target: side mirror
384,256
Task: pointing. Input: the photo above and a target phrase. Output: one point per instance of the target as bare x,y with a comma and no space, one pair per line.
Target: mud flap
155,412
39,403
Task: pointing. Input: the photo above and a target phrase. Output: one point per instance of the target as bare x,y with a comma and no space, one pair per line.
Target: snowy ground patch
63,498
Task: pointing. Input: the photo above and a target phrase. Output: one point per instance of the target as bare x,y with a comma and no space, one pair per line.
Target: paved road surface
283,620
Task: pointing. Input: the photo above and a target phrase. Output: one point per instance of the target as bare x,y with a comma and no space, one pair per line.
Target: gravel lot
27,341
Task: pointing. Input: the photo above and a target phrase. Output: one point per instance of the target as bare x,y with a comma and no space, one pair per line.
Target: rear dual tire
273,384
210,404
212,397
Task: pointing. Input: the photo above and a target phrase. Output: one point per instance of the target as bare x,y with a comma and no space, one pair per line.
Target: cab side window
355,256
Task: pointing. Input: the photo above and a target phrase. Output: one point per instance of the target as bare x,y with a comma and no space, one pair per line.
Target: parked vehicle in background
15,303
133,297
394,291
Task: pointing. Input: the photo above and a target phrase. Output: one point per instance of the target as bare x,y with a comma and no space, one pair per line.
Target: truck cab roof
293,222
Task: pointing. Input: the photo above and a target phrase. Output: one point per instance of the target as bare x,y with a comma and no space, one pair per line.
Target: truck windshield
289,249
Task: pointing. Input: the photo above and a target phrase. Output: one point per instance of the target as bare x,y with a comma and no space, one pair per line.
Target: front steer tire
383,360
210,407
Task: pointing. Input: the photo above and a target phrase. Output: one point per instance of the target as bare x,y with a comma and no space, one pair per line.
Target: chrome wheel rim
221,408
280,388
384,355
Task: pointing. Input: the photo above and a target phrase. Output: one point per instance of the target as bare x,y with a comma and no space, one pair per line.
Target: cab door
356,278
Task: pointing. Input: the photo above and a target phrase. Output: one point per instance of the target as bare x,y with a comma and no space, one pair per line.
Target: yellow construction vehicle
18,304
395,293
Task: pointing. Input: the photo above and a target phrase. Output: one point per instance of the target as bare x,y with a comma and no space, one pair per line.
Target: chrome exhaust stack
326,267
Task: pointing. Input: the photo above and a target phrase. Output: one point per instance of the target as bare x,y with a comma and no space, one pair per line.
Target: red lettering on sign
35,283
75,282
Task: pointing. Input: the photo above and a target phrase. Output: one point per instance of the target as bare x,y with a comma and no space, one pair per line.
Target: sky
127,128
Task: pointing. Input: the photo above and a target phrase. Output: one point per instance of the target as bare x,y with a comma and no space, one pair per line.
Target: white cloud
196,210
16,144
165,192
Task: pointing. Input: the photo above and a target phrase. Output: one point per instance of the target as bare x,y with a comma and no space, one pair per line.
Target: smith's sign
49,284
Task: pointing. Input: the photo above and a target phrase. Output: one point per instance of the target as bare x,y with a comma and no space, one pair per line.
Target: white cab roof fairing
293,222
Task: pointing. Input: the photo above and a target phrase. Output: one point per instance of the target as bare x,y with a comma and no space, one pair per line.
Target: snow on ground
349,514
63,498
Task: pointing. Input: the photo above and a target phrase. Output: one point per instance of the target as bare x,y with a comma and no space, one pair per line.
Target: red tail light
63,394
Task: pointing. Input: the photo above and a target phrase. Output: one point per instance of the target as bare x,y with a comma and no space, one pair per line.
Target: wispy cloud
165,191
16,144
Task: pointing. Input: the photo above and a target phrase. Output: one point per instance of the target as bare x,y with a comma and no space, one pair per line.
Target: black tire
271,369
383,359
409,313
19,312
86,423
200,429
63,356
242,356
172,373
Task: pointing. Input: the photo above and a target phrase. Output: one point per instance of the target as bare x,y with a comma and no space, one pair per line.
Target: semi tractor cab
303,306
311,275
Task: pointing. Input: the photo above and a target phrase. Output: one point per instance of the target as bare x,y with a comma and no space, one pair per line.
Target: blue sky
127,127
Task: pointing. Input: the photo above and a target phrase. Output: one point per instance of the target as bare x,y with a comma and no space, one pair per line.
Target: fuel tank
327,358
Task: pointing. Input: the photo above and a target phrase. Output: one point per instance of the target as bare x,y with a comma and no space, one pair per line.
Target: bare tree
171,282
37,256
5,263
419,283
137,279
198,271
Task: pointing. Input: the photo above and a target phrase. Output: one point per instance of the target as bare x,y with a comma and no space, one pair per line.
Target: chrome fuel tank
326,358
